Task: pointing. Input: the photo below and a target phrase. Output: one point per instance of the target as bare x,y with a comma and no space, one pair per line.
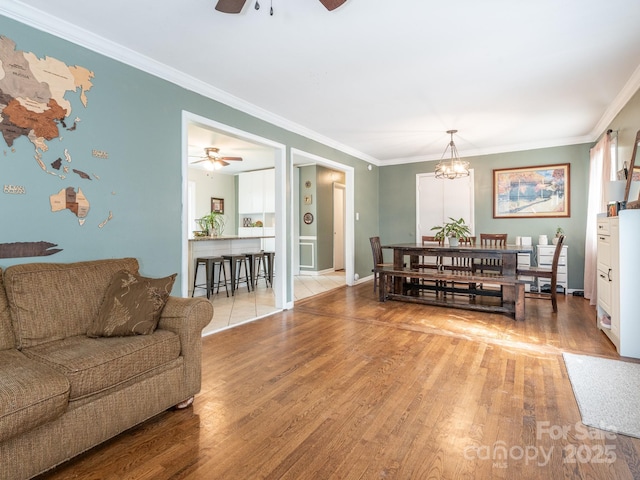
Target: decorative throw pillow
132,305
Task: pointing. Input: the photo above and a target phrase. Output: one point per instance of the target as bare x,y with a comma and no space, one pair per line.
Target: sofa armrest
187,317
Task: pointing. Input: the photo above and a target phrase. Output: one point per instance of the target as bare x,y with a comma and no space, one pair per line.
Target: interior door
438,199
338,225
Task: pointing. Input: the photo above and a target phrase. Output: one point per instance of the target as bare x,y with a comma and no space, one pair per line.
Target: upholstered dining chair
546,272
378,260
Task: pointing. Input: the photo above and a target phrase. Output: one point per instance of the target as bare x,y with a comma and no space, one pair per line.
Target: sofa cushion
7,339
31,394
95,364
51,301
132,305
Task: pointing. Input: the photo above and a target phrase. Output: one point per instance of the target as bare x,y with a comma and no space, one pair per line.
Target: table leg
398,263
519,314
509,263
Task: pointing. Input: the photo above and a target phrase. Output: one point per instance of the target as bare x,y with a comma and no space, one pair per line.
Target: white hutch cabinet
544,255
618,276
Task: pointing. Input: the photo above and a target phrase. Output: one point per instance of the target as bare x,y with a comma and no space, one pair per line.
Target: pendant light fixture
452,167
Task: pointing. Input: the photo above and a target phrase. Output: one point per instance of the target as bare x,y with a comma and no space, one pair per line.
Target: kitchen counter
216,247
228,237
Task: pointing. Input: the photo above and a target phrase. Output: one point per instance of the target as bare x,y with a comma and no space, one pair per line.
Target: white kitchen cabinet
250,231
256,192
269,192
618,270
257,202
250,192
544,256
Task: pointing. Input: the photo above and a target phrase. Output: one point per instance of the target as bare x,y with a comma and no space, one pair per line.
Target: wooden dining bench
438,280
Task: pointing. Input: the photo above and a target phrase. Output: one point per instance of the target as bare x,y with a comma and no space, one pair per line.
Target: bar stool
222,272
210,265
270,259
236,262
257,260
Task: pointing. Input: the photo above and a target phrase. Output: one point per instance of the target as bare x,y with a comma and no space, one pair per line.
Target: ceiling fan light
216,165
454,167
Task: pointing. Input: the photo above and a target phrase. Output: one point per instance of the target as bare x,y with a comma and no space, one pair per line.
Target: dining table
511,290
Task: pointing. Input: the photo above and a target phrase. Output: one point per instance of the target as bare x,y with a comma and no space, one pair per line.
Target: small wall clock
308,218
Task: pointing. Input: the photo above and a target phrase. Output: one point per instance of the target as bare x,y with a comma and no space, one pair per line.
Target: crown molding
73,33
65,30
628,91
467,154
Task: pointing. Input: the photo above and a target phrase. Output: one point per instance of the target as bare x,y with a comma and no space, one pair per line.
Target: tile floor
245,306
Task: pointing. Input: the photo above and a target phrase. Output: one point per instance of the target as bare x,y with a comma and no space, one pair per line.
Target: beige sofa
62,392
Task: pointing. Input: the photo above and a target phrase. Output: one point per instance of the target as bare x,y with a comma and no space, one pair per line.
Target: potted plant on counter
212,224
453,230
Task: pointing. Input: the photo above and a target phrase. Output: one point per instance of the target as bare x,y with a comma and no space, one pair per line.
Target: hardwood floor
346,387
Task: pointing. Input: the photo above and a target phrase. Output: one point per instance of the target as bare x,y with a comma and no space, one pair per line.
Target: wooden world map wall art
27,249
35,104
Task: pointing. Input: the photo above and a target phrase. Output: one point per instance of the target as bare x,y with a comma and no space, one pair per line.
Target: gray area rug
607,392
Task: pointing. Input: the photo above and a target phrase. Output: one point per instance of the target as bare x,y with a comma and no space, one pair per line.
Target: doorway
338,225
299,159
277,158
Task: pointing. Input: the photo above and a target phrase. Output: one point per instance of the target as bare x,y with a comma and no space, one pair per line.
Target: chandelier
453,167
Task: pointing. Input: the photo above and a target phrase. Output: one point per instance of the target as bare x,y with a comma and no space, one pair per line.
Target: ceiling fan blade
222,162
230,6
235,159
332,4
199,161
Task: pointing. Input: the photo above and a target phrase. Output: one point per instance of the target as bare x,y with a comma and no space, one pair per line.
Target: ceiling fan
235,6
217,161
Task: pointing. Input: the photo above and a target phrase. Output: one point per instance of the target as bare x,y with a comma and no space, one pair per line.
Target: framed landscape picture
532,192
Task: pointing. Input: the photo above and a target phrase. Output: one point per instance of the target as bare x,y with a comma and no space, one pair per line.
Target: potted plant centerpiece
559,231
212,224
453,230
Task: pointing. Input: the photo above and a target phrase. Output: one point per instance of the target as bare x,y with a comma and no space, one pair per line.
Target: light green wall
627,124
137,119
308,254
218,185
321,207
325,178
398,200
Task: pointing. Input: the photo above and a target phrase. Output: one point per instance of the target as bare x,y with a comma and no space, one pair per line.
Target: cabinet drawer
604,252
562,277
603,226
548,260
524,259
546,249
604,290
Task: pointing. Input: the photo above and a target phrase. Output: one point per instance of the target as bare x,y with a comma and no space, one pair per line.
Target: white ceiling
254,156
380,79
